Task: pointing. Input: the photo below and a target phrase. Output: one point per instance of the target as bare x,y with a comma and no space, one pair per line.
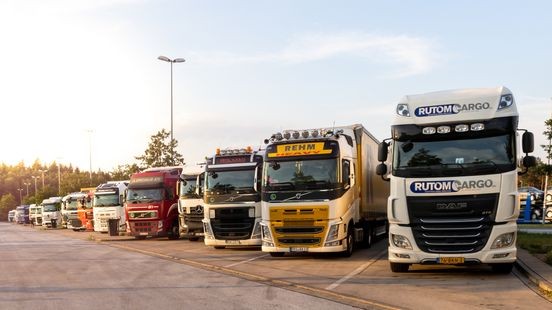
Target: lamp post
20,198
27,185
171,61
90,131
35,178
42,171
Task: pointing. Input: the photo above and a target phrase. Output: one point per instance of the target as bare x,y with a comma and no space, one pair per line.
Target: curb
536,279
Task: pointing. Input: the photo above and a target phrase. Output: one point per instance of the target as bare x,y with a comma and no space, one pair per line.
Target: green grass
540,226
536,244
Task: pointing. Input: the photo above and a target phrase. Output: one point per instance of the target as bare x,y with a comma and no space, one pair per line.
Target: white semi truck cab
190,202
453,179
108,204
51,212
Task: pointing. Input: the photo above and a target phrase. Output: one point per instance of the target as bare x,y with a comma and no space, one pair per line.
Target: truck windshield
473,156
188,188
71,204
141,195
49,208
230,181
300,174
106,200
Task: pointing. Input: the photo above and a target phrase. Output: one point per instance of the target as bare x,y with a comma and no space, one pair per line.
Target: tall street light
27,185
35,177
90,131
20,198
45,170
171,61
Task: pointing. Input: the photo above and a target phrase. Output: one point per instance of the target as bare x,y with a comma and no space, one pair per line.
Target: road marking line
356,271
245,261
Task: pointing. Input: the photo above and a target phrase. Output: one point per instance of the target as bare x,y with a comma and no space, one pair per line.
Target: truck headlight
503,241
256,232
401,241
207,231
265,233
333,233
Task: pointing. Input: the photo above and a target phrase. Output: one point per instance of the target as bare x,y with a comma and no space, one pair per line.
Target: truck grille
452,224
141,226
232,223
299,240
195,215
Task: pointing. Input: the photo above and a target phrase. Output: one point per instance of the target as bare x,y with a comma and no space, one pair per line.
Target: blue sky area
252,68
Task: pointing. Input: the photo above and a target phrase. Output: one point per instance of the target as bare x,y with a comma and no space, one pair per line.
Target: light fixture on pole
171,61
20,198
45,170
35,177
27,185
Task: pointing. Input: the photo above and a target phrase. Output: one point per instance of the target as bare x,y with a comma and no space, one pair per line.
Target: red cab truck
151,203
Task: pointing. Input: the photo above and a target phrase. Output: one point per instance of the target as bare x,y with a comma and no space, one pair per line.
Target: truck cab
69,210
151,203
51,212
454,198
231,197
190,202
35,214
108,203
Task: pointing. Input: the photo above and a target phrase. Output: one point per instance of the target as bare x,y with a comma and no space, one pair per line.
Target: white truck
69,209
51,212
35,214
232,200
190,202
320,191
454,171
108,204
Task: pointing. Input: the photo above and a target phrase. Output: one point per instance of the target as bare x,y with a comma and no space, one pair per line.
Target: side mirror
527,142
529,161
381,169
382,151
256,180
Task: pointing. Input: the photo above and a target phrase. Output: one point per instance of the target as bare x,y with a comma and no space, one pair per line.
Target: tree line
21,184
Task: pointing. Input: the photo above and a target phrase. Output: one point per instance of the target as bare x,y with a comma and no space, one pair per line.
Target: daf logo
199,209
451,206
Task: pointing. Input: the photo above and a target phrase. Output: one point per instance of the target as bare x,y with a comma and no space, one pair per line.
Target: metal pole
20,197
546,181
90,154
171,102
59,179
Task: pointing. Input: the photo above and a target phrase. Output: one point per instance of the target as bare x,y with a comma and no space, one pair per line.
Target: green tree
123,172
548,135
7,203
161,153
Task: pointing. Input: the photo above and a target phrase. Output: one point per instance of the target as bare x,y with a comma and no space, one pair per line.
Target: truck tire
368,239
350,243
219,247
193,238
399,267
174,234
502,268
277,254
140,237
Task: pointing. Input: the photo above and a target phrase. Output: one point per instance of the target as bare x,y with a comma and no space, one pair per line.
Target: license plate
450,260
143,234
233,242
298,249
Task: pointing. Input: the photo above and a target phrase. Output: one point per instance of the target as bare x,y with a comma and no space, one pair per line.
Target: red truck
151,203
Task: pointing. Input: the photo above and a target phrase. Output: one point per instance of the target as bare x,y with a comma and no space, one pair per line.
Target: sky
80,82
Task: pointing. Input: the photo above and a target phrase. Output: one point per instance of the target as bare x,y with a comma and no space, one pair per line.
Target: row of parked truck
442,188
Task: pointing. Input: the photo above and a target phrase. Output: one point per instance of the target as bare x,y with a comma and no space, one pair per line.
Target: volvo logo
451,206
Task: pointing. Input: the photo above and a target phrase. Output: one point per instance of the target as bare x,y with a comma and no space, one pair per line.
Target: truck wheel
174,234
502,268
193,238
368,236
219,247
350,243
399,267
277,254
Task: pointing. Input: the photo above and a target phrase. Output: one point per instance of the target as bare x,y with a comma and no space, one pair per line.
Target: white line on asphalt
356,271
245,261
